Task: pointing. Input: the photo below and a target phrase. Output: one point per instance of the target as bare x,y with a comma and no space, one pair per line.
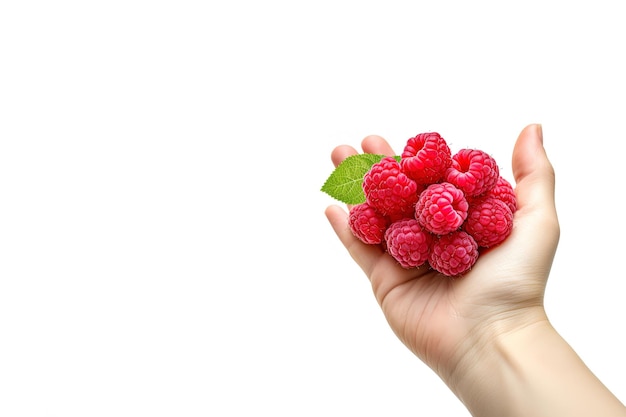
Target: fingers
376,145
371,144
341,152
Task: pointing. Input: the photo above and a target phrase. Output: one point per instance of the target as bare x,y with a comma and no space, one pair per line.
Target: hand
446,321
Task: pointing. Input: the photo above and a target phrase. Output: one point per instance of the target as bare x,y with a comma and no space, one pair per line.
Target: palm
434,315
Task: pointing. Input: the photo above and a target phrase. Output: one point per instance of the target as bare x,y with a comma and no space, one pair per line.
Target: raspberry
427,206
388,189
453,254
504,191
473,171
426,157
441,208
367,224
408,242
489,222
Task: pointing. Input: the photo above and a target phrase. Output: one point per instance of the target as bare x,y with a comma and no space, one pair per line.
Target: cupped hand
446,321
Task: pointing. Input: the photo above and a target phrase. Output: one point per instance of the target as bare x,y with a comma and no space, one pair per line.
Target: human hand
447,321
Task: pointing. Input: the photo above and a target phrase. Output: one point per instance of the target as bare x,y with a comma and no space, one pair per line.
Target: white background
163,247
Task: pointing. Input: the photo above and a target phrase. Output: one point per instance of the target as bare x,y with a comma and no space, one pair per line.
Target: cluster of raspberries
435,208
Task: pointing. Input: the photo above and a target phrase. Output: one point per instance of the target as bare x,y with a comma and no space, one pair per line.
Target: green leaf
345,183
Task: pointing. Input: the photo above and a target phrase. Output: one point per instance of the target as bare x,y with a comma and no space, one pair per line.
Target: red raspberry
489,221
408,242
388,189
473,171
426,157
453,254
441,208
504,191
367,224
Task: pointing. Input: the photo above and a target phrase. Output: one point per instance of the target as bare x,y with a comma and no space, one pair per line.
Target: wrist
526,368
487,363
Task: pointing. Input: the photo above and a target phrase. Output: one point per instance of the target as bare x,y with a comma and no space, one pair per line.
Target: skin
486,334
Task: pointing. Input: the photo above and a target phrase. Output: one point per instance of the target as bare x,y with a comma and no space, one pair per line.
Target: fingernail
540,132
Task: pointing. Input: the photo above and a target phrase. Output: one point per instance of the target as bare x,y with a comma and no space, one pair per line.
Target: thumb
535,185
533,172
